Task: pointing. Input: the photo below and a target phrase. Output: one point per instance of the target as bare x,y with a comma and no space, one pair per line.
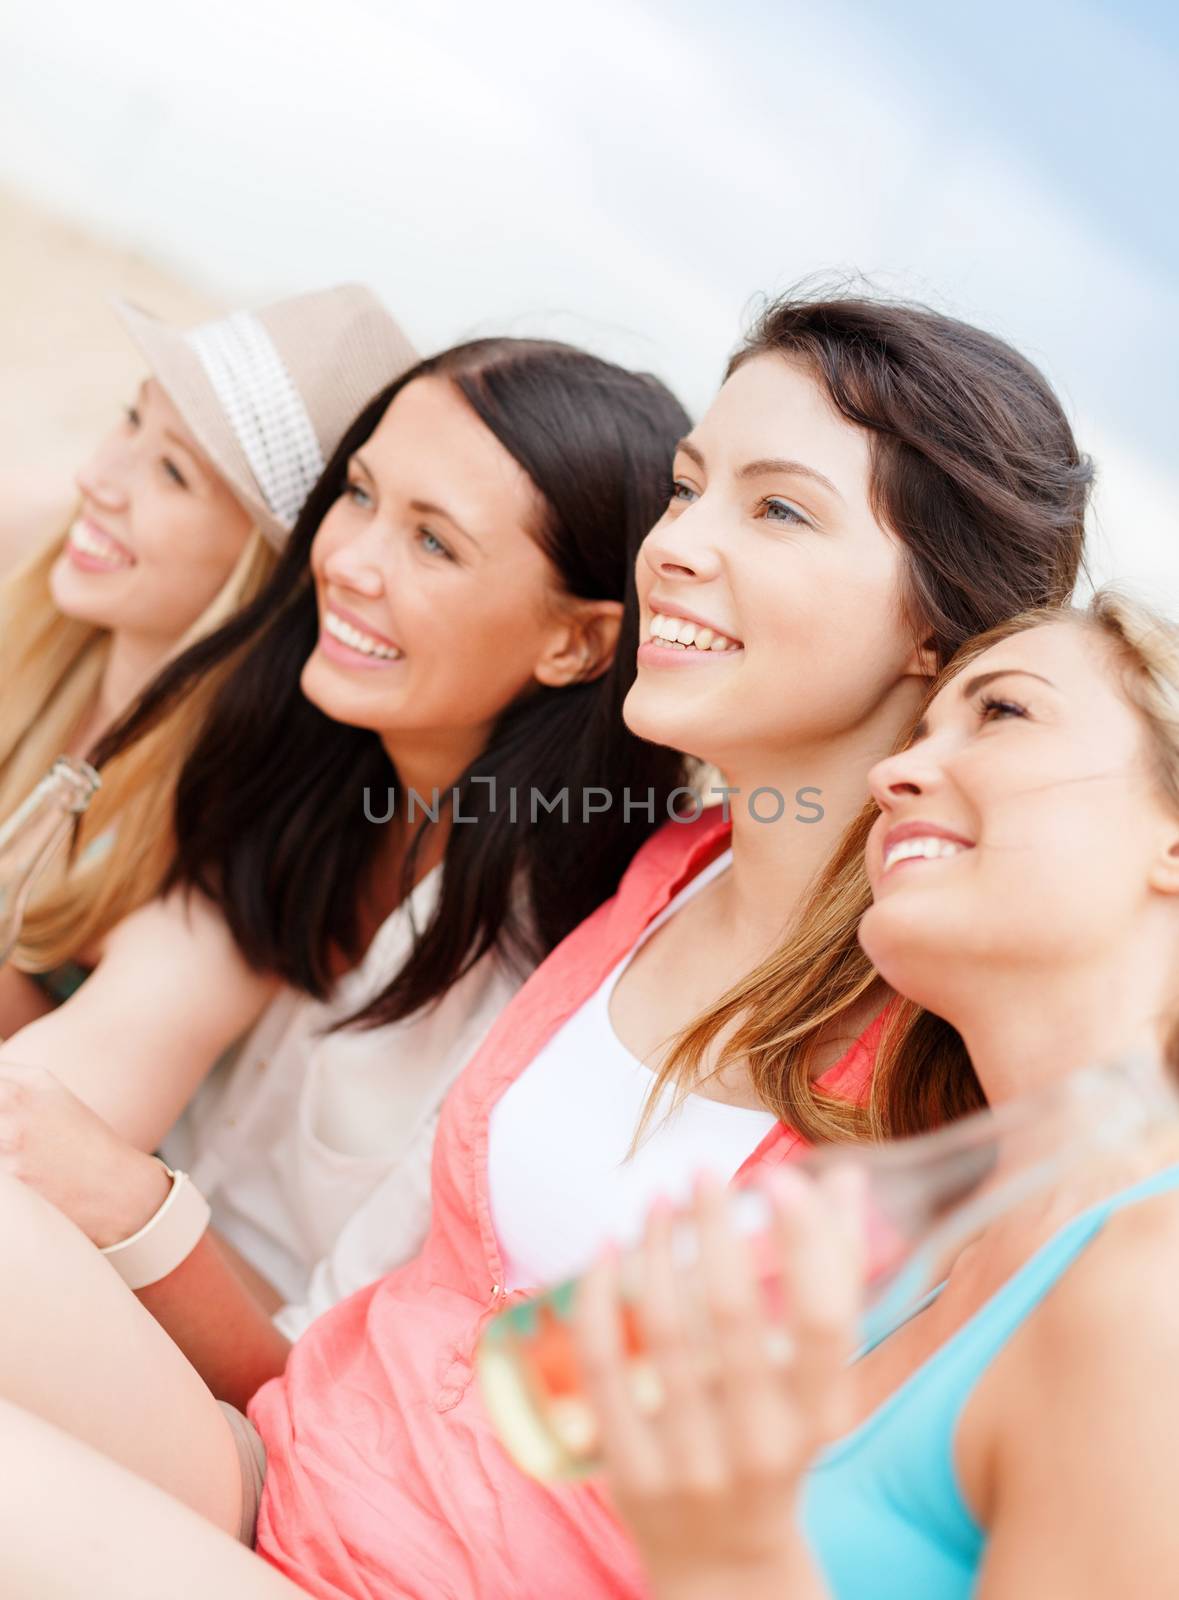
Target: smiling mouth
88,540
923,849
681,634
356,639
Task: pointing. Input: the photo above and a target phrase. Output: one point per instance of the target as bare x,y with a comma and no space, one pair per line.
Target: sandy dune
65,364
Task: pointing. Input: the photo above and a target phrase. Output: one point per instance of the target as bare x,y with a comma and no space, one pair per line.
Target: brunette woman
441,637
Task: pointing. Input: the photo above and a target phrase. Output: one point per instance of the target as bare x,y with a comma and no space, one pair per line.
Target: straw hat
269,394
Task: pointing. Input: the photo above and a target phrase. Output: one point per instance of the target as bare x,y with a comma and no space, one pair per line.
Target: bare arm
220,1324
1088,1415
170,993
216,1311
86,1092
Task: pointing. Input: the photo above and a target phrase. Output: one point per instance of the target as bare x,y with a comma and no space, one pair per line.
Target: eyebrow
973,685
183,444
766,467
424,508
980,681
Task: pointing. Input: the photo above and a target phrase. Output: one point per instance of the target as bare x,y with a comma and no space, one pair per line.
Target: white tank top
560,1181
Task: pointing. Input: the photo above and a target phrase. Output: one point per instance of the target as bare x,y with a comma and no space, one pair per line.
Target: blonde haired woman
183,508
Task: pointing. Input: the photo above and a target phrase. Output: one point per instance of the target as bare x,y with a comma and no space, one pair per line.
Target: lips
92,548
674,624
350,643
921,841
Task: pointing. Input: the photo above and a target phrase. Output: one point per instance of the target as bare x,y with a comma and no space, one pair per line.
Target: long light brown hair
975,468
51,667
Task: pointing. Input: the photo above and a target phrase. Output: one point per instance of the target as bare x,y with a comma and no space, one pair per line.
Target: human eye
680,492
131,415
356,492
432,544
993,709
172,471
778,510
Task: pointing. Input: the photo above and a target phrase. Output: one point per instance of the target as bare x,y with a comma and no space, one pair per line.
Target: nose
104,479
913,772
354,562
682,546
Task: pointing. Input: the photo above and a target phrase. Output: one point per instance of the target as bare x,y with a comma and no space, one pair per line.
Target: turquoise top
882,1509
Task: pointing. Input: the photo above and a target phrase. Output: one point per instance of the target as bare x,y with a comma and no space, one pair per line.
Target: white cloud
610,176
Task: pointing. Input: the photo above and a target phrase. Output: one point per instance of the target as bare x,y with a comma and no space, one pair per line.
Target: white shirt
560,1180
313,1148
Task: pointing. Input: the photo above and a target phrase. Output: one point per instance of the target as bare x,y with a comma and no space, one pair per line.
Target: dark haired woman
443,626
873,485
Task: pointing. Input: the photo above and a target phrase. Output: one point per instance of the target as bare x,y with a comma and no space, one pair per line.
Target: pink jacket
384,1479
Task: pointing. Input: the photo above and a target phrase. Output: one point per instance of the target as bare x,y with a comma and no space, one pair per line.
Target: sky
638,177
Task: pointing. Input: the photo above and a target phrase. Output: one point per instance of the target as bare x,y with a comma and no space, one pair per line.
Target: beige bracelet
166,1239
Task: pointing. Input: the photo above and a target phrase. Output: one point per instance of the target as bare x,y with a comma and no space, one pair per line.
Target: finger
820,1272
755,1408
682,1359
627,1444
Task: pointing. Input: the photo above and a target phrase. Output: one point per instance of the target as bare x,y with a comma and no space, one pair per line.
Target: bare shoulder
1113,1316
1082,1411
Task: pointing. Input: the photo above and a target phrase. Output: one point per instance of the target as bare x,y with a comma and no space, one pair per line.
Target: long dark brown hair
271,816
975,468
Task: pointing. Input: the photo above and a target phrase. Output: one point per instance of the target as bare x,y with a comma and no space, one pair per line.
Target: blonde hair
51,667
775,1019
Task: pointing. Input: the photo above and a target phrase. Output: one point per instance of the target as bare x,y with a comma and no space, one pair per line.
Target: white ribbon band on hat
263,407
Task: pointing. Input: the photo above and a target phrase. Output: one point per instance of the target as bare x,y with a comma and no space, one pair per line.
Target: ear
581,644
923,663
1164,872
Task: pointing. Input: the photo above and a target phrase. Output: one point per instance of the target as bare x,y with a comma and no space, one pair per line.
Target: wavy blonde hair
774,1021
51,667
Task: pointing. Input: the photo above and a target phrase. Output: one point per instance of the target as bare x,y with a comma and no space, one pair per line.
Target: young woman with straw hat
183,510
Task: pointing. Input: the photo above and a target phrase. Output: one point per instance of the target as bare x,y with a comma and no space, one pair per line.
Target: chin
74,598
649,717
337,700
907,946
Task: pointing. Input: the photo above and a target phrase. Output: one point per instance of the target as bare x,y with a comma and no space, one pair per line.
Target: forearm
219,1317
220,1325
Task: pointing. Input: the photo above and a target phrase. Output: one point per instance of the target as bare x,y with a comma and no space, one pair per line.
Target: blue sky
632,175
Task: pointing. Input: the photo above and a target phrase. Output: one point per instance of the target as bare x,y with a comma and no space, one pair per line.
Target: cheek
475,663
183,568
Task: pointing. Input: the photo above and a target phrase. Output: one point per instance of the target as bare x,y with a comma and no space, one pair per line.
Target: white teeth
93,544
685,635
929,849
355,640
